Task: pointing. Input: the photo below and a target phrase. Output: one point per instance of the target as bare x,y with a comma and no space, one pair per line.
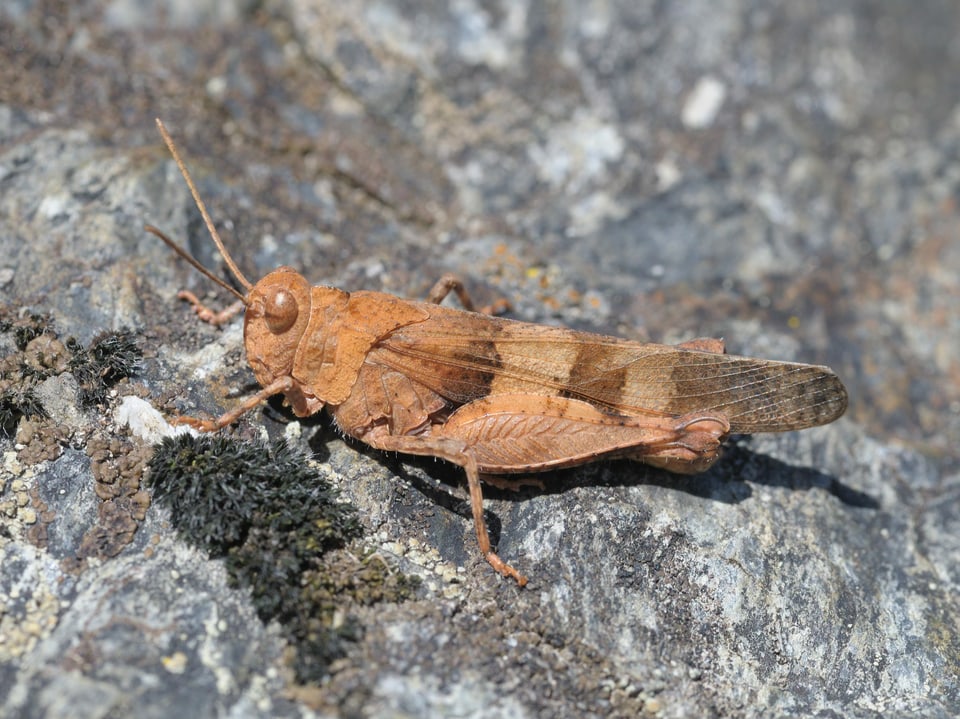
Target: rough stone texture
784,175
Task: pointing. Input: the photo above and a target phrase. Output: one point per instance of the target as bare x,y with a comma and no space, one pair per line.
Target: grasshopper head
278,310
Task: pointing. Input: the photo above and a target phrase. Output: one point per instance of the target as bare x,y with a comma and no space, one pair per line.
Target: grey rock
571,158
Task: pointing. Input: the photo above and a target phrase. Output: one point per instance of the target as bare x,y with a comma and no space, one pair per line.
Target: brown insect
496,396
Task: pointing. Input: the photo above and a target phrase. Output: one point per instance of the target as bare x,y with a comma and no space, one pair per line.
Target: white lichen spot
482,43
56,207
593,212
292,432
210,652
176,663
703,103
668,174
31,608
577,151
146,422
217,87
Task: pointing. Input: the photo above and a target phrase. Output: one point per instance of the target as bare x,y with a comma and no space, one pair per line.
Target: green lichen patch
282,531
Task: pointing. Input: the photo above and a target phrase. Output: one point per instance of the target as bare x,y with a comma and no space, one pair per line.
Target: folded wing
464,357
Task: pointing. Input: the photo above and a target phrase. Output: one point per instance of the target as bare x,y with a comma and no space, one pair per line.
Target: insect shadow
730,481
776,473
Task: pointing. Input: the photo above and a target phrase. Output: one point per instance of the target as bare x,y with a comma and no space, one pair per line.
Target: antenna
206,218
193,261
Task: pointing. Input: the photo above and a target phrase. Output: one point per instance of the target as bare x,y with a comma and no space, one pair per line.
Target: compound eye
280,310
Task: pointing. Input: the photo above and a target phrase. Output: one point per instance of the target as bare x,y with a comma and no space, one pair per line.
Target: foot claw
505,569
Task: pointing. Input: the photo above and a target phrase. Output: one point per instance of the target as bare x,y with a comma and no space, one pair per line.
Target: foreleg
278,386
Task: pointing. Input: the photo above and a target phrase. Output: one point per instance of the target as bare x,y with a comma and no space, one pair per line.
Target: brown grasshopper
496,396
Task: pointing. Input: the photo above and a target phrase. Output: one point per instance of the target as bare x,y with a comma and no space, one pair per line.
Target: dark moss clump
279,526
223,492
16,401
110,357
25,328
39,354
21,371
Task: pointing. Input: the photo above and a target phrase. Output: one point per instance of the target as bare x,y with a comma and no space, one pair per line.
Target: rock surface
782,175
